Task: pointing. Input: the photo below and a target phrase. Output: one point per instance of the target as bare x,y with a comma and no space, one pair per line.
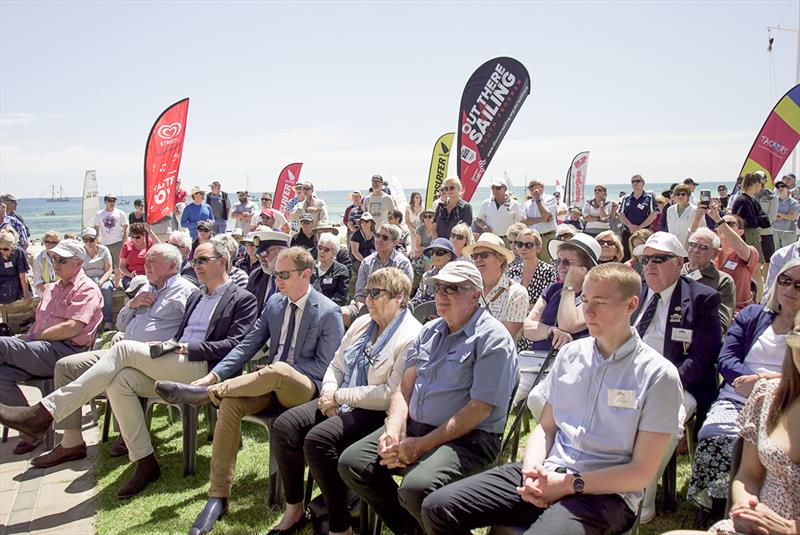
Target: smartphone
705,197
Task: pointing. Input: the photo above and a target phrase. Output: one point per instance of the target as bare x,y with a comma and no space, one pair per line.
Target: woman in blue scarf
366,369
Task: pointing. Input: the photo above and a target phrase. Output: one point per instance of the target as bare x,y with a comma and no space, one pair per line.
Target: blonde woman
456,210
13,267
611,247
532,273
43,272
460,237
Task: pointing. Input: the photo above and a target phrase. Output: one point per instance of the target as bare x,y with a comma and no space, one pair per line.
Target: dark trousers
400,506
491,499
304,435
626,249
21,360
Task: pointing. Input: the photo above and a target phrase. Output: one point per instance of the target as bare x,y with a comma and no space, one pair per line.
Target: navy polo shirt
638,209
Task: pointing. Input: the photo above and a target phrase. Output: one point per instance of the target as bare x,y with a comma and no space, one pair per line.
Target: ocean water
68,214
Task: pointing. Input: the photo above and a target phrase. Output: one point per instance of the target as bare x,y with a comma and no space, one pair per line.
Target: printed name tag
327,280
625,399
9,264
640,206
682,335
696,275
731,264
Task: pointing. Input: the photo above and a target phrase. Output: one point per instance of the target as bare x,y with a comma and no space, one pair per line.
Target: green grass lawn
171,504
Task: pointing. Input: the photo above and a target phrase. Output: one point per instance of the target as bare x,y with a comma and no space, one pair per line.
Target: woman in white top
680,217
43,272
97,266
598,212
366,369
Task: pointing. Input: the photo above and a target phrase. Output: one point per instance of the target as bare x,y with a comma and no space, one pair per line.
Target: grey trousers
21,360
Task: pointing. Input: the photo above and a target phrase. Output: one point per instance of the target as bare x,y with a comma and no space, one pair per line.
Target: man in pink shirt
67,319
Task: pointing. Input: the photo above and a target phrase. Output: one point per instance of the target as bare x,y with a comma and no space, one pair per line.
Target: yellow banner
438,171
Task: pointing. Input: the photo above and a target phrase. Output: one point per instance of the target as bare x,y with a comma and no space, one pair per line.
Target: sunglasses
732,223
526,244
85,240
607,243
563,262
457,237
202,260
448,289
384,237
54,259
428,216
50,242
137,236
679,194
495,188
374,293
6,249
785,280
306,222
308,189
599,190
265,199
198,230
637,181
656,258
448,188
284,275
701,246
483,255
440,252
793,339
782,186
323,249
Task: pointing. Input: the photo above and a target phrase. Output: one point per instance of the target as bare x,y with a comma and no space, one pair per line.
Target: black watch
577,483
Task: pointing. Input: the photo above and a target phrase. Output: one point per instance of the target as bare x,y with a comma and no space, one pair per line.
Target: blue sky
668,90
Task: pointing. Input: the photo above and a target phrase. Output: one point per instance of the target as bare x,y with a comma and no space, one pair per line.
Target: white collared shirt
656,331
532,210
301,305
499,218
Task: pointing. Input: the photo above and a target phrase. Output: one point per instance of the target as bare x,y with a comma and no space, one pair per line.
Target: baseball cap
215,183
790,175
662,241
8,198
237,232
306,217
377,178
498,181
690,181
110,197
89,232
137,282
68,249
458,272
208,225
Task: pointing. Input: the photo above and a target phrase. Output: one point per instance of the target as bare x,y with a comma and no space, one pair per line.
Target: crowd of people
663,310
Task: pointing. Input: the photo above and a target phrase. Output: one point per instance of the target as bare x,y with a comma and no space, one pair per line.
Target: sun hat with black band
440,243
325,225
582,241
490,241
662,241
265,239
426,211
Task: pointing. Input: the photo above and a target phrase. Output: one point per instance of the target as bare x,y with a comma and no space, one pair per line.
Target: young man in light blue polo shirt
614,403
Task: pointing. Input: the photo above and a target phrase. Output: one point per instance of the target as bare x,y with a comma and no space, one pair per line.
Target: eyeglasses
793,339
526,245
607,243
202,260
656,258
323,249
384,237
457,237
284,275
732,223
448,188
58,259
51,242
374,293
701,246
440,252
483,255
448,289
111,200
563,262
85,240
785,280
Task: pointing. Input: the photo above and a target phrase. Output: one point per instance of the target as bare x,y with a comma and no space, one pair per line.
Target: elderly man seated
67,318
262,279
613,405
446,419
153,315
216,320
703,246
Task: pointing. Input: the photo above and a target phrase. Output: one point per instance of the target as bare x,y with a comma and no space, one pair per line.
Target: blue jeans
107,289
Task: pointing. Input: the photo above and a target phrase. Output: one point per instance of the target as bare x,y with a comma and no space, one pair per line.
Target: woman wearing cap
424,234
334,277
98,266
43,272
785,225
13,269
413,212
250,261
460,237
575,219
353,401
456,210
440,252
362,242
132,255
610,247
528,270
753,350
597,212
205,231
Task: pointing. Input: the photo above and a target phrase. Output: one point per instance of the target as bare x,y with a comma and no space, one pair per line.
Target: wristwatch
577,483
568,289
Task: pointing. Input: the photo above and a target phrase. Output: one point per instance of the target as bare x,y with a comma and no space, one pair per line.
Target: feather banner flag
576,179
284,189
162,161
438,170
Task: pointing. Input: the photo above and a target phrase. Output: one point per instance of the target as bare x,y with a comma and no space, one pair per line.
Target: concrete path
53,500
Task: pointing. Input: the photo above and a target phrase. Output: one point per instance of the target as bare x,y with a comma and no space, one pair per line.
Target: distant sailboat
57,198
91,201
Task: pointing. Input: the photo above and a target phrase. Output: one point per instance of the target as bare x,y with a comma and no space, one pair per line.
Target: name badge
625,399
8,264
696,275
640,206
731,264
682,335
327,280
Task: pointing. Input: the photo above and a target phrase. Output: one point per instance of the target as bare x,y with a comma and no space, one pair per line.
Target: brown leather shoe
118,448
24,447
32,421
147,471
59,455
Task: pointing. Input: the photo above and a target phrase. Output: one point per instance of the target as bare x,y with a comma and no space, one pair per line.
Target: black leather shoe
214,510
147,471
172,392
296,528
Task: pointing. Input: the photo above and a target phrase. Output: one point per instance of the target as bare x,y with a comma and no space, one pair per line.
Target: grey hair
328,238
771,301
182,237
220,247
232,245
708,233
167,252
394,230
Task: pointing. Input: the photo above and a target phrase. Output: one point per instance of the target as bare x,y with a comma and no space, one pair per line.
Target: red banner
162,160
576,179
284,190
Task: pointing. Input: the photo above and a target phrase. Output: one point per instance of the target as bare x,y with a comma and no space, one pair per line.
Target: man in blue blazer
304,329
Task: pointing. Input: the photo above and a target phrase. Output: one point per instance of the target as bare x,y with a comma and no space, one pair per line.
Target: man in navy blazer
304,329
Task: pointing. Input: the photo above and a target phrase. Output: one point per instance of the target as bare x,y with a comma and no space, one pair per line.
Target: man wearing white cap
67,318
262,280
499,211
196,211
679,318
446,419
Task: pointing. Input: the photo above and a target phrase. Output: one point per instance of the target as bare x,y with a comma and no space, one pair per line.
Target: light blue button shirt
197,326
478,361
600,404
372,263
160,321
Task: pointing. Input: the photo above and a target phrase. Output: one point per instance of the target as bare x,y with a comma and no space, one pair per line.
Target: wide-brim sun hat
490,241
582,241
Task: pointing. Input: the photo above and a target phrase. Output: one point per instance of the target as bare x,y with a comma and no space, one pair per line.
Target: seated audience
13,269
133,253
612,408
43,272
183,242
298,356
334,277
263,283
753,350
354,398
424,234
776,263
637,238
703,246
237,275
362,242
67,318
216,320
98,266
395,217
611,247
440,251
341,255
460,237
249,260
533,274
446,418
